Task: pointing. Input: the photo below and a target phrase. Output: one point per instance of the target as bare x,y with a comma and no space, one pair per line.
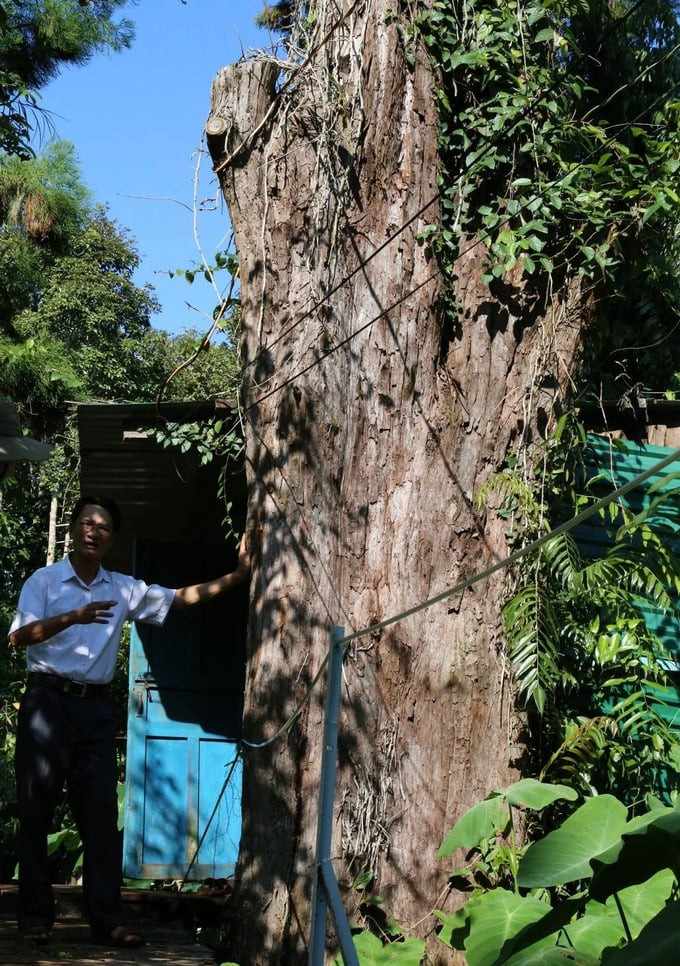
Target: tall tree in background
37,38
450,219
78,328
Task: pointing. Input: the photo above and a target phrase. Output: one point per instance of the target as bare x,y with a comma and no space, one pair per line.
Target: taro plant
380,939
601,888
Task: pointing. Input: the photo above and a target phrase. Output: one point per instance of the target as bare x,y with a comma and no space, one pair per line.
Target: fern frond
610,572
532,636
580,750
565,561
514,496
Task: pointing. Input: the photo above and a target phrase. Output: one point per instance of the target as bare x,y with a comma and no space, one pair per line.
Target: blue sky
136,120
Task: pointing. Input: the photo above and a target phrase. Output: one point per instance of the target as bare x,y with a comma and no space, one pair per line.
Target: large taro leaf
544,931
487,818
372,952
647,846
481,822
657,945
642,902
565,854
530,793
494,918
602,926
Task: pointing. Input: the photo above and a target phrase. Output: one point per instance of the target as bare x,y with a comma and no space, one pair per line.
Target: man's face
92,532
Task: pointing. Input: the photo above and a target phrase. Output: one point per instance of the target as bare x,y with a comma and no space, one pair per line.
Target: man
69,619
13,444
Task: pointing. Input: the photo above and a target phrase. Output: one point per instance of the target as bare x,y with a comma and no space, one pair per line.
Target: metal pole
325,884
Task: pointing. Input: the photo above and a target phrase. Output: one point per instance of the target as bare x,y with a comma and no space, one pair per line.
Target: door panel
183,780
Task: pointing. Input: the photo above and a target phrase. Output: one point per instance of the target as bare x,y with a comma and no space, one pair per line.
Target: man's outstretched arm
202,593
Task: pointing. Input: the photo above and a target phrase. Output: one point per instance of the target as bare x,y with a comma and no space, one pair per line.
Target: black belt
79,689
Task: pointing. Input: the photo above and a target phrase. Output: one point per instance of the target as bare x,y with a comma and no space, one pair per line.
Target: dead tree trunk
371,423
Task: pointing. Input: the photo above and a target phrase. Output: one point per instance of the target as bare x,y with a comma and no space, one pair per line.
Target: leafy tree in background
76,324
89,306
43,204
37,38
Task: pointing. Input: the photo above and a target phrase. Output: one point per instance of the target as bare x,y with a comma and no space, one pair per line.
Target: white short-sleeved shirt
85,652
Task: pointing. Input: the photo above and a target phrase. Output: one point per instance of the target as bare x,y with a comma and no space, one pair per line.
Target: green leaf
543,932
646,845
657,944
531,793
602,925
363,881
546,34
371,951
565,854
481,822
496,917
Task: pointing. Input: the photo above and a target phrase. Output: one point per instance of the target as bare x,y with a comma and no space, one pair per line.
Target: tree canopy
560,141
37,38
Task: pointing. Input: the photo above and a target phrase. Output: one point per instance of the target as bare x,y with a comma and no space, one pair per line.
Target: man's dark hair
105,503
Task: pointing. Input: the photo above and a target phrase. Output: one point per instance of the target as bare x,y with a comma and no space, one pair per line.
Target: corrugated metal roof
613,464
163,494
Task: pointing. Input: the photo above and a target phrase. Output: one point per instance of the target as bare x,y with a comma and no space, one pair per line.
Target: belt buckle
77,688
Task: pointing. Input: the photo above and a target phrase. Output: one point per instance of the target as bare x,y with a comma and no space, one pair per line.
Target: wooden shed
183,791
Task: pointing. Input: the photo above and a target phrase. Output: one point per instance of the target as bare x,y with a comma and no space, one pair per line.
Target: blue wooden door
183,774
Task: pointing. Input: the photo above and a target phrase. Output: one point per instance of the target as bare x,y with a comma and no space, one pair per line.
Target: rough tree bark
371,423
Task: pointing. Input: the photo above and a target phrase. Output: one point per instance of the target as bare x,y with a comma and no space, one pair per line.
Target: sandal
121,937
38,935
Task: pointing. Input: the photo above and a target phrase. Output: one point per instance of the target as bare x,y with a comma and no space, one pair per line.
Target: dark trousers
63,739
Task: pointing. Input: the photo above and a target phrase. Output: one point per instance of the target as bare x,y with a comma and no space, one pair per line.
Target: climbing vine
559,141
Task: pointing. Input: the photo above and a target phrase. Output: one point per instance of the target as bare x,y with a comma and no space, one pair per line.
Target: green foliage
37,38
209,440
214,352
372,952
487,833
44,197
600,888
43,204
590,673
559,140
278,17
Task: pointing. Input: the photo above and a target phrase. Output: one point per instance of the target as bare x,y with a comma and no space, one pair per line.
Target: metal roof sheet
163,494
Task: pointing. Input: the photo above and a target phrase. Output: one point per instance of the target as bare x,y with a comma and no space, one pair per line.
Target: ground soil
182,930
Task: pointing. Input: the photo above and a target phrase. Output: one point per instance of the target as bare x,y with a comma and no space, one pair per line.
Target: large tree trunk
371,424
